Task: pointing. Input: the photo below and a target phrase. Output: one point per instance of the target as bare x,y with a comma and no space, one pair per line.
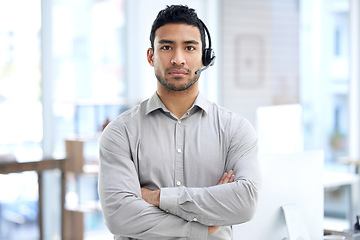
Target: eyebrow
192,42
162,41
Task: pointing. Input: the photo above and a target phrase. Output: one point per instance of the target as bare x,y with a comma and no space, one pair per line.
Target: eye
166,47
190,48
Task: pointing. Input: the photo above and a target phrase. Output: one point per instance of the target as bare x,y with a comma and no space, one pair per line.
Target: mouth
178,72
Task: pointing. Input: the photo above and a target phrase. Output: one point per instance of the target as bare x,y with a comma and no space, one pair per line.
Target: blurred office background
68,66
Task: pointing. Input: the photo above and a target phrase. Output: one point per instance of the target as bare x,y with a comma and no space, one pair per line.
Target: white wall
260,49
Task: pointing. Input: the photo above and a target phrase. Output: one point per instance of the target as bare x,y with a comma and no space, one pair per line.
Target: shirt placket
179,148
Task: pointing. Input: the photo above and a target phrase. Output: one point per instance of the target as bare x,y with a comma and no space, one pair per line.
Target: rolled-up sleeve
125,212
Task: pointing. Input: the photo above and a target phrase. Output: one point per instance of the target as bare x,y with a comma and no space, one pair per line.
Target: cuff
169,198
198,231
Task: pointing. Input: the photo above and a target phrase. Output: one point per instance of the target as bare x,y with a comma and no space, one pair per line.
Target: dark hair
177,14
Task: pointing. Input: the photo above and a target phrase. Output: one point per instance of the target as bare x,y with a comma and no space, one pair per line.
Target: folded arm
225,204
153,196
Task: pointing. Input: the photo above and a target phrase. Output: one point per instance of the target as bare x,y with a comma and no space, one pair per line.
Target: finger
228,177
222,179
231,172
232,178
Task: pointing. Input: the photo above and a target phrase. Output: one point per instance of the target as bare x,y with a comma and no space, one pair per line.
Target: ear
150,56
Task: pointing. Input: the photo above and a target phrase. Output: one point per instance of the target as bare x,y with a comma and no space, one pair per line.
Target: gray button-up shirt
148,146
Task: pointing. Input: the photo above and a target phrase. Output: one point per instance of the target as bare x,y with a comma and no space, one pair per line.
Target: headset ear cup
207,56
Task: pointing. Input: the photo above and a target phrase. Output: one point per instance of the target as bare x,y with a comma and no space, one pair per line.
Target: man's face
176,55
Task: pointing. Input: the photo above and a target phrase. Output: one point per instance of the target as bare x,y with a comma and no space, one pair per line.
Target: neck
178,102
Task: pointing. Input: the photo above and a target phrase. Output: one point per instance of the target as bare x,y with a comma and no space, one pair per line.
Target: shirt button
195,219
167,210
179,121
178,183
179,150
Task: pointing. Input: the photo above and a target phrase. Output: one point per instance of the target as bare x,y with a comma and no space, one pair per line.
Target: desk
347,180
38,166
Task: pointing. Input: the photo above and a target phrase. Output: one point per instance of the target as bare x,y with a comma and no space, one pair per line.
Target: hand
213,229
227,178
150,196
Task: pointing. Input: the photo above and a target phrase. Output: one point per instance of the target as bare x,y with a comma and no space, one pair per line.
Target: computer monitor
280,129
295,180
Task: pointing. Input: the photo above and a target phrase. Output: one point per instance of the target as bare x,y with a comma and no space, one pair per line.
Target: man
177,166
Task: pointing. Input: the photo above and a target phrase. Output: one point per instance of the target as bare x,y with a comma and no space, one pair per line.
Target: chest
181,153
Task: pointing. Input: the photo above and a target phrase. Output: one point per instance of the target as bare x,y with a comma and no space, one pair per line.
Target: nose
178,57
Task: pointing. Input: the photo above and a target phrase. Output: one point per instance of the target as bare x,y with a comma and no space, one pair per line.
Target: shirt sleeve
226,204
125,212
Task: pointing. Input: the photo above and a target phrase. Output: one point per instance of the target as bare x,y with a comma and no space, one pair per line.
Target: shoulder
231,122
228,116
126,120
131,115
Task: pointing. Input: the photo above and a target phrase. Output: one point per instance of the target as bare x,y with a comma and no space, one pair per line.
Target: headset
208,55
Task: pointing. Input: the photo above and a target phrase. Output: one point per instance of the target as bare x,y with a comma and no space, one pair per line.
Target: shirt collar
202,103
155,103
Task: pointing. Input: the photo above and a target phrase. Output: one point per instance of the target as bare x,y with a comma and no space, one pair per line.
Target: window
20,78
325,61
325,78
20,114
88,64
84,44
